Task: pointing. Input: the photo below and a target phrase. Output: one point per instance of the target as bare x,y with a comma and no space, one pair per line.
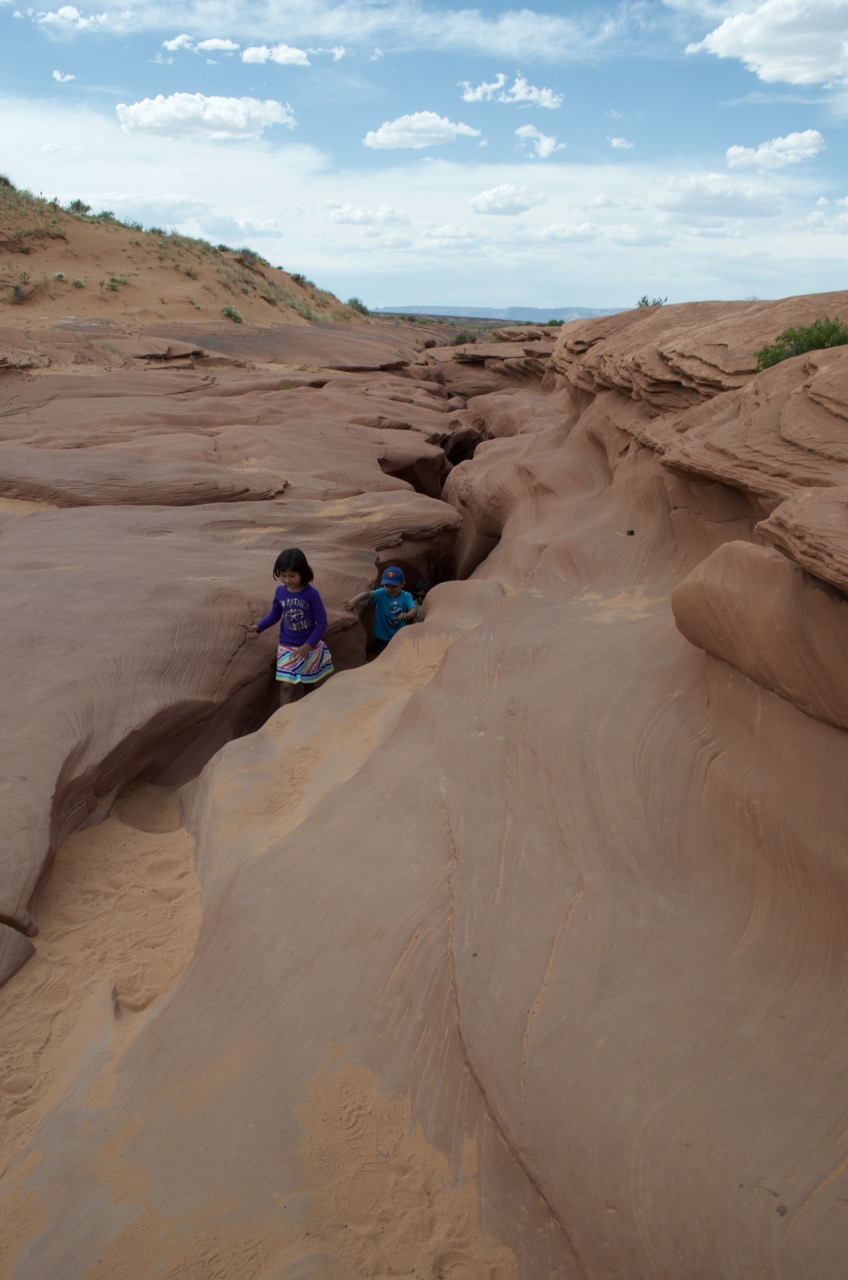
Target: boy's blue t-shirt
387,611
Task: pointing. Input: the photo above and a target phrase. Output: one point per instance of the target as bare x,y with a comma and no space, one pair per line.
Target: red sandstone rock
564,868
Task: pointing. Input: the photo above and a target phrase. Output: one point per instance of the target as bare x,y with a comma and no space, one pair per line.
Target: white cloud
419,130
507,200
357,216
217,46
714,195
620,144
283,54
193,114
570,233
779,152
519,92
784,40
68,18
63,79
539,145
485,91
179,42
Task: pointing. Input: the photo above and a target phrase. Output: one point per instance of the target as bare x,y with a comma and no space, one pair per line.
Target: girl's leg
286,692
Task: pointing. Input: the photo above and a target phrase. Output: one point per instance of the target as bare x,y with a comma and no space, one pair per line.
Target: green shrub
464,336
645,301
7,182
793,342
232,314
356,304
79,206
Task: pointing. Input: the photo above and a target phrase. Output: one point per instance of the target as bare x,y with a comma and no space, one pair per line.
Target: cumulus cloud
419,130
63,79
193,114
357,216
782,40
283,54
68,19
183,41
519,92
507,200
779,152
537,144
620,144
217,46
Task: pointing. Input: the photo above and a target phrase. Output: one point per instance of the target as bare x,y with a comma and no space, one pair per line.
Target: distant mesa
534,315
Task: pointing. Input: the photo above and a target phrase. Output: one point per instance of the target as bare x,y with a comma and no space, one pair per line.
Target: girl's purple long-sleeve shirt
301,615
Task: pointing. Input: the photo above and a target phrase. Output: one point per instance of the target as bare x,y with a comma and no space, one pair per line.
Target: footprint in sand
462,1266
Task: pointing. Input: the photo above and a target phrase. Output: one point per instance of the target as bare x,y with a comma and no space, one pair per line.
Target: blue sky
409,152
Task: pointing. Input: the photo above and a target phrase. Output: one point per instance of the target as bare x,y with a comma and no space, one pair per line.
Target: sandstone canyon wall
520,951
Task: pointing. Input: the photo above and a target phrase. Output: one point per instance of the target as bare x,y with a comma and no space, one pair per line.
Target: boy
393,606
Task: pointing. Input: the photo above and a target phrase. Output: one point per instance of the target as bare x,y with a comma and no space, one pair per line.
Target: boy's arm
355,601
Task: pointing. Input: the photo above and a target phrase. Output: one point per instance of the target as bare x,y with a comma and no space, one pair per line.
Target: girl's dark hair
294,559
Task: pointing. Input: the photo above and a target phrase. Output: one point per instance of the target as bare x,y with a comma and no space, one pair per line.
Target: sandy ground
119,917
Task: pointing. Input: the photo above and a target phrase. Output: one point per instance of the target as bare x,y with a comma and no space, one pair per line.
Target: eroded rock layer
522,950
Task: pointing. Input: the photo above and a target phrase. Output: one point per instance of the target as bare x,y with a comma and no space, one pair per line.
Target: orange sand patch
384,1200
119,919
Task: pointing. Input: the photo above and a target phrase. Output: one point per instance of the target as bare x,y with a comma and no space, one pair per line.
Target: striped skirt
317,665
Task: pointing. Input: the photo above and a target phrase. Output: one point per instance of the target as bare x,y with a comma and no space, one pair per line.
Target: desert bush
79,207
77,283
356,304
645,301
232,314
6,182
302,310
558,323
250,258
794,342
464,336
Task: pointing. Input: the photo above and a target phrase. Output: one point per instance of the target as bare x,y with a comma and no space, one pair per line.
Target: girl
302,657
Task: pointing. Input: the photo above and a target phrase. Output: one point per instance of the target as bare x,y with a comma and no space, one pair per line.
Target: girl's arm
272,617
320,615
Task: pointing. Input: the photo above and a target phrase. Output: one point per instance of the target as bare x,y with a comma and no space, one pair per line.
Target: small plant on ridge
794,342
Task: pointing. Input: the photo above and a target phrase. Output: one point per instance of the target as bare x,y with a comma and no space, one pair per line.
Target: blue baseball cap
392,577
